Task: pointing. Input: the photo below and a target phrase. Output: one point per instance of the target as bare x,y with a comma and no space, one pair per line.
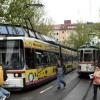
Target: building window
62,31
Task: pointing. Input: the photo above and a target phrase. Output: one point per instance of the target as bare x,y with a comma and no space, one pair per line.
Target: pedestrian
60,74
3,77
96,81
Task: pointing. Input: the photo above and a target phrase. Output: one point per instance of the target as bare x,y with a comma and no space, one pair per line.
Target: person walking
60,74
96,81
3,92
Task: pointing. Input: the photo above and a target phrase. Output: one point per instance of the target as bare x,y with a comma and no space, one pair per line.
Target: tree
3,6
19,11
80,34
44,28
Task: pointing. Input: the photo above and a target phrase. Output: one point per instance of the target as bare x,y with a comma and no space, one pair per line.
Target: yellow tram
29,60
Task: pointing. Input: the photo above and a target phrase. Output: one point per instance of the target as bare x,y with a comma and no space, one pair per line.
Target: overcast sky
74,10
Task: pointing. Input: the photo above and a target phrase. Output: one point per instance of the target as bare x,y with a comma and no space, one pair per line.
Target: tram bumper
14,83
85,72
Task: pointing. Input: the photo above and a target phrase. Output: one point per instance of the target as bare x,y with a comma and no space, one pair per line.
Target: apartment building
61,32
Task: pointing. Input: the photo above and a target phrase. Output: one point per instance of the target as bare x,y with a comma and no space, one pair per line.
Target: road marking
46,89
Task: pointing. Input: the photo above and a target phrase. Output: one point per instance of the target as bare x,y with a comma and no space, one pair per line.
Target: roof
8,30
85,46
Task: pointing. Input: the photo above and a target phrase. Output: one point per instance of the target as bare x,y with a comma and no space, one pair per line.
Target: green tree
3,6
80,34
47,27
96,29
21,11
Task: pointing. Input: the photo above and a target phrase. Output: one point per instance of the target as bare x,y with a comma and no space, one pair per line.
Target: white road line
46,89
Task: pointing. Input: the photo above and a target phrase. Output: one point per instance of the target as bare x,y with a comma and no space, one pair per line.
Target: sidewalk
90,94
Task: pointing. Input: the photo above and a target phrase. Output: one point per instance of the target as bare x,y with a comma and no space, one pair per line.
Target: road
75,90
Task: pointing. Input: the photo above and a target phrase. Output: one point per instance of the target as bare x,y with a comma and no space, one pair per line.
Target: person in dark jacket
60,75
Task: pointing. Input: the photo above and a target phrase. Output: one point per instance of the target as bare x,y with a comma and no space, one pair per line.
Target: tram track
69,87
63,93
80,91
87,91
60,94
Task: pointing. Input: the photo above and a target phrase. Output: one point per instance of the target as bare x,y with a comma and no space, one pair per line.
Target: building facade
61,32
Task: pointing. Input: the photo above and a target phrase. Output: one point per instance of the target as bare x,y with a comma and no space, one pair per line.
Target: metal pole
60,55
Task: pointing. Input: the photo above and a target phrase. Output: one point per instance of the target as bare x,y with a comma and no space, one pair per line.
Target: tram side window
70,58
38,58
73,58
53,58
63,58
11,30
31,34
19,31
29,55
42,58
45,59
66,58
3,30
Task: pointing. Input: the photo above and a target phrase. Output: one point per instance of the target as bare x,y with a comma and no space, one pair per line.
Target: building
61,32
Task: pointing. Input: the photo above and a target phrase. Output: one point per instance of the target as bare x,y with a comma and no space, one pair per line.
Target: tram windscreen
87,56
11,54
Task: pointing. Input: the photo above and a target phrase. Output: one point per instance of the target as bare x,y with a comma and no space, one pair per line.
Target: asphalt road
75,90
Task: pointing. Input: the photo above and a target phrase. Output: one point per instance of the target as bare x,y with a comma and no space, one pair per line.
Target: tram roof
18,30
85,46
9,30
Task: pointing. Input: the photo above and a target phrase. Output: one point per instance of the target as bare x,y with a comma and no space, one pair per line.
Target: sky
74,10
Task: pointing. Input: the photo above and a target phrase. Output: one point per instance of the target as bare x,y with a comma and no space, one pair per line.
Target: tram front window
11,55
87,57
81,55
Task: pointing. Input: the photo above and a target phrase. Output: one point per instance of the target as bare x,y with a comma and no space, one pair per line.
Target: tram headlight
17,74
